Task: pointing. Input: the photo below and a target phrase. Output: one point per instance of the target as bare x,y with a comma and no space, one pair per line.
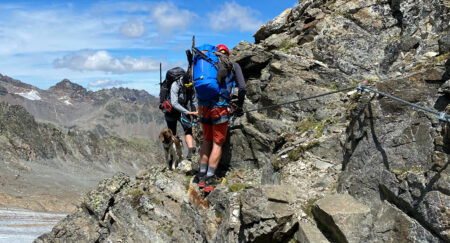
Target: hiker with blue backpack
214,78
178,102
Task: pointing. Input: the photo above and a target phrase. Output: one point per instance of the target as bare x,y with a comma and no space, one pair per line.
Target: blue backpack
205,76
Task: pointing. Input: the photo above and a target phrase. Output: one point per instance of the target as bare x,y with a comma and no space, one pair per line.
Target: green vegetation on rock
297,152
403,172
443,57
308,123
286,45
307,208
136,195
188,181
237,187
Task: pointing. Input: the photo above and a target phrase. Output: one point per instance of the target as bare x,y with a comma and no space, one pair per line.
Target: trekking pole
192,61
160,74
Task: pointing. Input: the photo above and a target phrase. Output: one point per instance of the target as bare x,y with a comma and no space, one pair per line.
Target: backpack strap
205,57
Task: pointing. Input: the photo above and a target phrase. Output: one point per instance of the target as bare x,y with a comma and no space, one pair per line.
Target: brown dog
172,148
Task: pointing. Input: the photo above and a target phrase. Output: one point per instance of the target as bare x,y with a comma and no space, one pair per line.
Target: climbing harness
440,115
187,123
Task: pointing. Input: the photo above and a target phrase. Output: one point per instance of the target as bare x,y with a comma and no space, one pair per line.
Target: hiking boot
210,183
200,179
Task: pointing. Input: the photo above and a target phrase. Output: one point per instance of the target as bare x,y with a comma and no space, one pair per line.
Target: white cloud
133,28
28,30
234,16
169,18
103,83
88,60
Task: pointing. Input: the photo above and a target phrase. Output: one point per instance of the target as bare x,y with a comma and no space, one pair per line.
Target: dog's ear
161,136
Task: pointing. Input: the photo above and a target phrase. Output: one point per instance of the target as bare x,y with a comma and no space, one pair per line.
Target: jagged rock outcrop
162,206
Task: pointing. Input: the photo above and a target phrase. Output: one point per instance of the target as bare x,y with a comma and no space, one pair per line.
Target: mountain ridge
69,105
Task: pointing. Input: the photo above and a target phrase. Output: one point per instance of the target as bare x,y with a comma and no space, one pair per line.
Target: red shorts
216,133
214,123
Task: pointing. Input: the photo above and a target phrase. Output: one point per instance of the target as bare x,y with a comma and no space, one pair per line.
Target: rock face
400,157
351,166
389,152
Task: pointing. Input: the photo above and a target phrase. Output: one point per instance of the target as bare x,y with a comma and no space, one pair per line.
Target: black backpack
172,75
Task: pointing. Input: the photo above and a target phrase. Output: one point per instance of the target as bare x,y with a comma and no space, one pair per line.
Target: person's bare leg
215,155
205,152
189,140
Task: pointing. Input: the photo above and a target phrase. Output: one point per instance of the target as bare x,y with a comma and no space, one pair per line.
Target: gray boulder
308,233
265,220
392,225
346,219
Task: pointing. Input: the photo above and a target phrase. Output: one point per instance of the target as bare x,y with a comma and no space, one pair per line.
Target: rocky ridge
348,167
118,111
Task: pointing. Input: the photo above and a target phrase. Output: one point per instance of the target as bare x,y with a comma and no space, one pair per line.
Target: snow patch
32,95
66,100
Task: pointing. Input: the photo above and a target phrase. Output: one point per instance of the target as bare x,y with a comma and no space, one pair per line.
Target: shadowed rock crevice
355,130
404,206
391,53
396,12
446,75
375,138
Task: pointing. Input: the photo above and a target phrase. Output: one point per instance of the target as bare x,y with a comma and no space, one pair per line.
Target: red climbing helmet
223,48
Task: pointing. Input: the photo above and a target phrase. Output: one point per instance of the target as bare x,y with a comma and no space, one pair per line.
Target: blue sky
103,44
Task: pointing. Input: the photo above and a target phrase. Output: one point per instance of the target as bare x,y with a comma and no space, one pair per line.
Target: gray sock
211,171
203,168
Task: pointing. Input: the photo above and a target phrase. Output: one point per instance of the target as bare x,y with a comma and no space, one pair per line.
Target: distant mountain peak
67,85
